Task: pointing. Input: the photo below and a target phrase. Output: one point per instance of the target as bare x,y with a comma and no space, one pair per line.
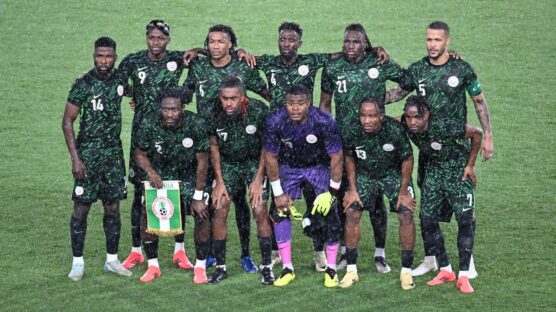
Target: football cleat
464,286
330,278
425,267
181,260
151,274
442,277
116,267
133,259
381,265
406,280
287,276
77,272
267,276
320,261
248,264
199,276
349,279
218,275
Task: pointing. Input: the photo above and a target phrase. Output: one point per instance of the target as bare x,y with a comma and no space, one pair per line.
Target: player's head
289,39
104,56
371,114
231,96
171,107
158,37
438,39
298,100
356,42
416,113
221,41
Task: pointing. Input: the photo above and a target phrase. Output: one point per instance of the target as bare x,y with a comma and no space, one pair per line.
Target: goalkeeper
302,146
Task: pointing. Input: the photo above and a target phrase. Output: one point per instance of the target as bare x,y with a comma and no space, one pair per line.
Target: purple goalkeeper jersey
302,145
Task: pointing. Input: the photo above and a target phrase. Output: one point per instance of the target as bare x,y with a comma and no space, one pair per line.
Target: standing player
150,71
449,178
444,80
205,77
97,156
172,146
236,153
379,160
302,146
356,75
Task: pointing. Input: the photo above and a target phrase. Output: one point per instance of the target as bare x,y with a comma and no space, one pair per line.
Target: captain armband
474,88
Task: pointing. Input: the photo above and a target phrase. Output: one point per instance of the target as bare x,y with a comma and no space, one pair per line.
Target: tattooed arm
484,118
395,95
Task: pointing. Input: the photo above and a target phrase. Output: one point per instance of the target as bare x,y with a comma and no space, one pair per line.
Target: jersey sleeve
126,67
327,84
201,136
395,72
470,81
271,139
255,82
141,139
405,145
263,61
191,79
332,141
320,59
406,82
77,94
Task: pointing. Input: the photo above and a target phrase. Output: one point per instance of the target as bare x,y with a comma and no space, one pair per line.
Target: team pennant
163,209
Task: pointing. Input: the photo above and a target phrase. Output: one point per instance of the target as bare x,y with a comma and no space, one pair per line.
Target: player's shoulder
321,117
459,63
83,80
420,63
393,125
257,106
277,116
267,60
133,57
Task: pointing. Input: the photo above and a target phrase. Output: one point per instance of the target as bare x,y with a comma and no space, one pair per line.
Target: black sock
202,249
136,211
265,244
78,229
151,248
407,258
219,247
351,256
112,225
429,227
466,237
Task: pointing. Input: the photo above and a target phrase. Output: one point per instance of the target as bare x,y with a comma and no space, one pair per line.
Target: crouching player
379,160
236,151
449,179
302,145
172,146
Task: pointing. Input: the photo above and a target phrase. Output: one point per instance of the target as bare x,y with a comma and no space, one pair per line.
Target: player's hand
200,210
218,192
189,55
322,203
407,201
455,55
469,172
256,194
247,57
78,169
132,104
488,148
155,180
382,55
351,197
283,202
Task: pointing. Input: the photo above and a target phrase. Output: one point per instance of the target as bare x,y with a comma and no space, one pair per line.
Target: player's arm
484,118
70,115
142,159
193,54
326,91
476,135
220,187
382,54
395,95
405,198
198,206
256,187
282,200
352,196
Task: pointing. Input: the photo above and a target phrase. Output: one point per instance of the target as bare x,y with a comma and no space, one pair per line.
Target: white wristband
198,195
276,188
335,185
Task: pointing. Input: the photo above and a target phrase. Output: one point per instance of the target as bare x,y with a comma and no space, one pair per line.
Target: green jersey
379,154
444,86
442,143
351,83
240,137
281,76
149,77
205,79
99,101
172,152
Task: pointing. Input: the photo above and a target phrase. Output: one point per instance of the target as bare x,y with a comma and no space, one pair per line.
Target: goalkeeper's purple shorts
292,179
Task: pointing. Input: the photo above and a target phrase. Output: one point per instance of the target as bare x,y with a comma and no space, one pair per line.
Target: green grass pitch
46,44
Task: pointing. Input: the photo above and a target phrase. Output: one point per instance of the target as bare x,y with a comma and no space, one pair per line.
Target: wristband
198,195
335,185
276,188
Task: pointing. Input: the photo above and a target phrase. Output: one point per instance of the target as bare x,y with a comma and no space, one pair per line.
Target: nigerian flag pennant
163,209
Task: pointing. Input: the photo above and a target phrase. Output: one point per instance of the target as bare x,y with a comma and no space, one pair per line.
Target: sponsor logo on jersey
311,139
187,142
388,147
250,129
172,66
158,147
142,68
120,90
453,81
79,190
436,146
287,143
373,73
303,70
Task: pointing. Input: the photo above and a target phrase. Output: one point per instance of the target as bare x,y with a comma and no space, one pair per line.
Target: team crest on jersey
120,90
250,129
303,70
311,139
79,190
187,142
373,73
172,66
453,81
163,208
131,173
436,146
388,147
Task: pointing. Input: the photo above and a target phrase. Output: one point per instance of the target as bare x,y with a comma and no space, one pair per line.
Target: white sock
342,249
464,273
447,268
78,260
319,253
200,263
406,270
289,266
379,252
221,267
178,247
137,250
153,262
331,266
351,268
111,257
429,259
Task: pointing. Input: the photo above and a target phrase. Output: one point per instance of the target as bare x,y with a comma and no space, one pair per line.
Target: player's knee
405,218
81,210
465,219
112,208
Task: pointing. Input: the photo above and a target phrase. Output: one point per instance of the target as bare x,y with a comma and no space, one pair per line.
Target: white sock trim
78,260
111,257
153,262
380,252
